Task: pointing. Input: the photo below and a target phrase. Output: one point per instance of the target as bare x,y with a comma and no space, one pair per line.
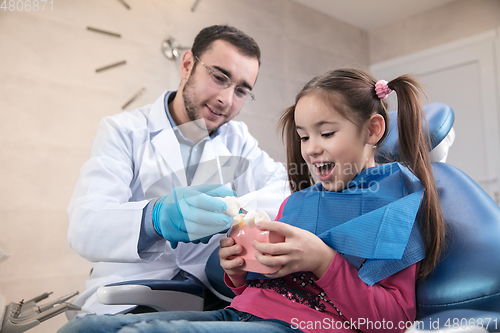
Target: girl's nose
313,148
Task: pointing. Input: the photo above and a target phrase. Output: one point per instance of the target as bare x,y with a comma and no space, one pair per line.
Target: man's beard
192,109
189,104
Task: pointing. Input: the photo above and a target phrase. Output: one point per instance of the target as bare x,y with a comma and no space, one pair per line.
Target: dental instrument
22,316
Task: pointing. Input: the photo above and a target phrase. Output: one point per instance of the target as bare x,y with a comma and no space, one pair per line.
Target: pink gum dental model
244,233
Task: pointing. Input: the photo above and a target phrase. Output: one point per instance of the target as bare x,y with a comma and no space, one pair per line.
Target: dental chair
461,293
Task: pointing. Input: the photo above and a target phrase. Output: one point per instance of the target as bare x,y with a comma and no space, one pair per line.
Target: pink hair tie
382,89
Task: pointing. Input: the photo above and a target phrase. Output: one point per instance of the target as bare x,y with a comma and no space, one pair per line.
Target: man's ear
187,63
376,129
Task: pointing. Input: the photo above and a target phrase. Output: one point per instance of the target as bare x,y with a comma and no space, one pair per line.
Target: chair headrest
439,119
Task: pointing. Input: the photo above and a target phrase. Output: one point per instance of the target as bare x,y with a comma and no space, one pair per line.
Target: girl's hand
302,251
232,267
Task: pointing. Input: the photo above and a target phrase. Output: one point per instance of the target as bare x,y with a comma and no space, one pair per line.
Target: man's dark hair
244,43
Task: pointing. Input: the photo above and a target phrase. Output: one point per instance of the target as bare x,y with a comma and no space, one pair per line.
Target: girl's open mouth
324,170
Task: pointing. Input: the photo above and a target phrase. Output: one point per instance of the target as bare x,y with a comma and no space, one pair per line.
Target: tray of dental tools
24,315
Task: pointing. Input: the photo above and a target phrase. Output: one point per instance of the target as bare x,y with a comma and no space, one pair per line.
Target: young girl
354,243
360,271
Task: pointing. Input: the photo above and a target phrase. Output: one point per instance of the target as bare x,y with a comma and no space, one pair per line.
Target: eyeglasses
222,80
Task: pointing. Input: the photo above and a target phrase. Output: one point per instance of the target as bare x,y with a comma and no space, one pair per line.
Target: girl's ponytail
414,146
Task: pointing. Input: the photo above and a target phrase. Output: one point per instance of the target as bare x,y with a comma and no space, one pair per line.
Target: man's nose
226,96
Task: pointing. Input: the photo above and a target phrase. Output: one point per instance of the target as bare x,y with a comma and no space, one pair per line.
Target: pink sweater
340,301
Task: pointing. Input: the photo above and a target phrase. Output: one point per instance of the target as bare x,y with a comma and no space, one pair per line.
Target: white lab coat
126,169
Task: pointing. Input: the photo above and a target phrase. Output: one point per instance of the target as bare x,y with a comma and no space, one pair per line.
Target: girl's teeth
324,168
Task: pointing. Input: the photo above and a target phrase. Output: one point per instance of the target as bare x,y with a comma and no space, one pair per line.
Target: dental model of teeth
244,233
250,218
233,205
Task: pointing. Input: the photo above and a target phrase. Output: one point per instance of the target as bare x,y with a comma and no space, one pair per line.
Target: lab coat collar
166,144
158,118
164,140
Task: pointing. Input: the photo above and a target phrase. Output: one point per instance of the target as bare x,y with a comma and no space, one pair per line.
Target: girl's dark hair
351,92
244,43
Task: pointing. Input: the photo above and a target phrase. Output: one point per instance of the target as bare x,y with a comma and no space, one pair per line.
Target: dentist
146,202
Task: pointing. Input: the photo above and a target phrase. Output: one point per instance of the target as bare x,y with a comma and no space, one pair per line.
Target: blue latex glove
192,213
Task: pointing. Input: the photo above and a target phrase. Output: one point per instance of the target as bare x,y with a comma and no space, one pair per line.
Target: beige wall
456,20
51,100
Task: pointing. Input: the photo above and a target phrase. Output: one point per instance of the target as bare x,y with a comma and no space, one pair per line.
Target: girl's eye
304,138
327,135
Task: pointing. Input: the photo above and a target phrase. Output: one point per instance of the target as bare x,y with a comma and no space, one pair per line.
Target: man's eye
240,92
219,78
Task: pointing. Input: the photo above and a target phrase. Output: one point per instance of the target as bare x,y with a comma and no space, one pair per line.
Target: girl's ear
376,129
187,63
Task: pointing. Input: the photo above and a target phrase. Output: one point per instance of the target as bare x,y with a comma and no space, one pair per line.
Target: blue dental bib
371,222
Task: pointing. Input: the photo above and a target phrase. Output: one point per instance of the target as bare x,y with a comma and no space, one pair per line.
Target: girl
352,250
361,272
